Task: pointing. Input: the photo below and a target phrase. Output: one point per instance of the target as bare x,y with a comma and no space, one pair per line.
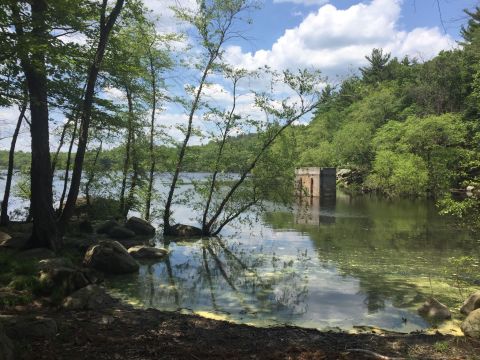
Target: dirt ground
123,332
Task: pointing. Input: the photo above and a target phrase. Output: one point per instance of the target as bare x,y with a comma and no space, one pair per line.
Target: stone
110,257
128,243
147,252
182,230
6,346
140,226
472,303
4,237
435,310
85,226
62,279
471,325
91,297
52,263
470,188
29,327
120,232
17,243
37,253
108,225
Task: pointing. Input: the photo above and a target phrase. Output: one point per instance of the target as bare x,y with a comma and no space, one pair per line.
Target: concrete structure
315,210
316,182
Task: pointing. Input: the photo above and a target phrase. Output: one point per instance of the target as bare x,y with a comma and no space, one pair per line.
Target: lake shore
124,332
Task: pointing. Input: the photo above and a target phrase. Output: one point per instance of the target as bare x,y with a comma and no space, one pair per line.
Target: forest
158,173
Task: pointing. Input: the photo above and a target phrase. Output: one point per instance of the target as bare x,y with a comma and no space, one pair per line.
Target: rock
37,253
471,325
184,230
6,346
4,237
120,232
140,226
147,252
472,303
110,257
128,243
85,226
62,279
17,243
28,327
47,264
470,188
91,297
435,310
108,225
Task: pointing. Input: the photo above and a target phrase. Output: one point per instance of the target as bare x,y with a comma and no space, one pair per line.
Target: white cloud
336,40
303,2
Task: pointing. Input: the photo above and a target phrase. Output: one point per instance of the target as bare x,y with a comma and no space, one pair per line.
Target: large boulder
140,226
108,225
28,327
17,242
120,232
4,237
472,303
36,253
147,252
6,346
182,230
471,325
62,279
110,257
57,262
435,310
91,297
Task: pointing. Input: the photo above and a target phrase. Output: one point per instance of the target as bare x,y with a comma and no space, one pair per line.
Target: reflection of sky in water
322,265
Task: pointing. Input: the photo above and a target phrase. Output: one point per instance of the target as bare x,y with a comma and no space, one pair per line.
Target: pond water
347,262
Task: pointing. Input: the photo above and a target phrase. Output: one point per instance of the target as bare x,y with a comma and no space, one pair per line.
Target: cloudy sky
331,35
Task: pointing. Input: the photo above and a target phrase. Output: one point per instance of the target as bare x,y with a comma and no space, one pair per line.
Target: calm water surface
353,261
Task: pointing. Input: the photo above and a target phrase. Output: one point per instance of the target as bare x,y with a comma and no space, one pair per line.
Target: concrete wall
314,181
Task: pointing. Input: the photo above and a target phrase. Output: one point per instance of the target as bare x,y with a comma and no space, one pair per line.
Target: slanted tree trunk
126,162
106,25
134,178
4,219
152,132
168,204
32,61
91,176
67,167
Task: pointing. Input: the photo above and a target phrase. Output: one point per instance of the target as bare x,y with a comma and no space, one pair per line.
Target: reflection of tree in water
383,244
225,277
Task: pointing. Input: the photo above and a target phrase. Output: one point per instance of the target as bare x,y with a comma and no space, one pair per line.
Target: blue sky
273,18
333,36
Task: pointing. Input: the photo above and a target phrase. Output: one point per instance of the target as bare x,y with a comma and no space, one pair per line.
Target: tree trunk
91,176
152,131
67,167
126,163
4,219
106,25
181,155
44,232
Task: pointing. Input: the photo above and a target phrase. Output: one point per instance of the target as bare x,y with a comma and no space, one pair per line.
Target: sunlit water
355,261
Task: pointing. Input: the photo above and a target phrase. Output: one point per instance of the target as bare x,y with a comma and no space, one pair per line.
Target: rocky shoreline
65,313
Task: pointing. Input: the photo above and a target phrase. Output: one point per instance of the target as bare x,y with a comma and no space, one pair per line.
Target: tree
32,59
105,27
377,69
4,219
214,22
